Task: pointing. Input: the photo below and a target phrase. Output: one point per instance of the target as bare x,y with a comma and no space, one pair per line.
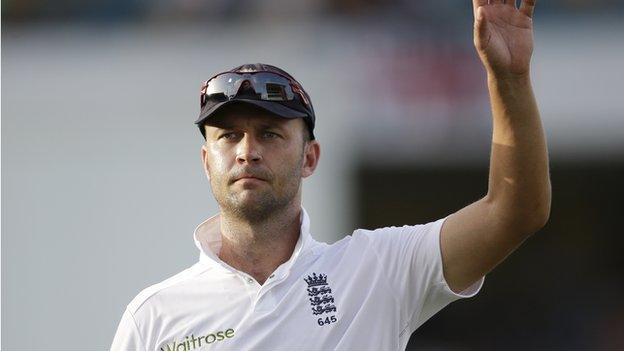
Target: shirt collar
207,237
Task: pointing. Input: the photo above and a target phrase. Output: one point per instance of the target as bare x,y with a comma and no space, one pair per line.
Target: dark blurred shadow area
562,290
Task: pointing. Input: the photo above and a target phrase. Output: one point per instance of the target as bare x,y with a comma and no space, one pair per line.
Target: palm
504,36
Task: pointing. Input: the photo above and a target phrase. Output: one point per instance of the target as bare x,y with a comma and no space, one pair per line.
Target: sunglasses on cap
260,85
271,91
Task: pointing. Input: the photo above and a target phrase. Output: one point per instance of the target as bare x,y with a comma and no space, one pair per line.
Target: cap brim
269,106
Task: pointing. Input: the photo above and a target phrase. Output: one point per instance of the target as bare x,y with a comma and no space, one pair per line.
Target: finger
476,4
497,1
527,7
510,3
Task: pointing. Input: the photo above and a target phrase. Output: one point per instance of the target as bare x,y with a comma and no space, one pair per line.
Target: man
263,283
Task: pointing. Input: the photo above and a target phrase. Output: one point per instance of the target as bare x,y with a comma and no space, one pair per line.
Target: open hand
503,36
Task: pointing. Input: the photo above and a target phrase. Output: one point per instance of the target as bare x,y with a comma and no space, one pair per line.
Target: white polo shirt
368,291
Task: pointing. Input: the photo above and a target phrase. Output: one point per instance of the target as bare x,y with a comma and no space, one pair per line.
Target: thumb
481,33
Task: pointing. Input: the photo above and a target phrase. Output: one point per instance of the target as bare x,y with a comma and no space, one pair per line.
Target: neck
259,248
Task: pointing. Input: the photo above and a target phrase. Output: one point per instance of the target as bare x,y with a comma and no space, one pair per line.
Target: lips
248,176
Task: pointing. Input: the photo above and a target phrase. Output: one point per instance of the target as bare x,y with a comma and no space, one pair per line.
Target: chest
324,304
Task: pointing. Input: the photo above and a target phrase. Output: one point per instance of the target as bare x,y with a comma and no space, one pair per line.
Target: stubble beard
263,203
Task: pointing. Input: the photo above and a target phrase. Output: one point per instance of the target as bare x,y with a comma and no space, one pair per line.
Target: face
256,162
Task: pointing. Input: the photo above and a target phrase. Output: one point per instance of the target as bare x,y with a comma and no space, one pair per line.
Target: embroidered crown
316,280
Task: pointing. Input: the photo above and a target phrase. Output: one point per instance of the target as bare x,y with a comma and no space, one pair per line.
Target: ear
204,158
311,156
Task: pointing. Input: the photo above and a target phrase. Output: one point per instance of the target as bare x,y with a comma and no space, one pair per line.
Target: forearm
478,237
519,184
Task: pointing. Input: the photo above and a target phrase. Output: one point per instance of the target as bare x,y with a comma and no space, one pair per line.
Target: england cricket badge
321,299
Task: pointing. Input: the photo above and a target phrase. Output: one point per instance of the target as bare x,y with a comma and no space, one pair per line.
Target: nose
248,150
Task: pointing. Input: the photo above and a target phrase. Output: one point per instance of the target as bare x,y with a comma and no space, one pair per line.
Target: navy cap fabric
286,109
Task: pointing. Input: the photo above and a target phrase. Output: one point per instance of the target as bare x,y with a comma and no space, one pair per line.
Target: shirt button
271,276
249,280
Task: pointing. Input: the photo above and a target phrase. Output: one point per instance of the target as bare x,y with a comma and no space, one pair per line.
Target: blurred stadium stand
185,10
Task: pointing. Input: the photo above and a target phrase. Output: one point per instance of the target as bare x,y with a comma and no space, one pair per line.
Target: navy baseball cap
265,86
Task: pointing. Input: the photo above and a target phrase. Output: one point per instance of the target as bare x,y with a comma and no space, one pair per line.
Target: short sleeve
127,337
412,260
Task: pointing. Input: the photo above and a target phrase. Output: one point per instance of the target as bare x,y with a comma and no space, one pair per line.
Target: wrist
509,78
510,82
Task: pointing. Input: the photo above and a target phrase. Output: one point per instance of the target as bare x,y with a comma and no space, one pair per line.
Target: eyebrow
228,125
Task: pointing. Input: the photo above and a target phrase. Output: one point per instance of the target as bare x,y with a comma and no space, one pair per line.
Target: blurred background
102,184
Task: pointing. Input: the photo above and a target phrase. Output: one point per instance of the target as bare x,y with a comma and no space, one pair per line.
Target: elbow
524,217
528,223
544,209
541,220
545,217
540,214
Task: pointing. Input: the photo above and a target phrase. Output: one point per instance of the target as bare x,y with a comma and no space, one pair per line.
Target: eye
228,135
269,135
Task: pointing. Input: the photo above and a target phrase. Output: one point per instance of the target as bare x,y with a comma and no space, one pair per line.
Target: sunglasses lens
224,86
272,87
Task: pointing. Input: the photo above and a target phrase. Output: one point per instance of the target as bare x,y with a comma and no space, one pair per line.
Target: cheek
217,163
290,169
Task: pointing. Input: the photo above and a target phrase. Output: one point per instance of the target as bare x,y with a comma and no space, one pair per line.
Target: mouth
249,178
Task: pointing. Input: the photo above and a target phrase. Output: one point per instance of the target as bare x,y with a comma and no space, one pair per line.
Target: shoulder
407,230
389,234
365,237
358,242
179,278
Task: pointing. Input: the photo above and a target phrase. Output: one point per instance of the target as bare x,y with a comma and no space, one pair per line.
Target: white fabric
380,285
